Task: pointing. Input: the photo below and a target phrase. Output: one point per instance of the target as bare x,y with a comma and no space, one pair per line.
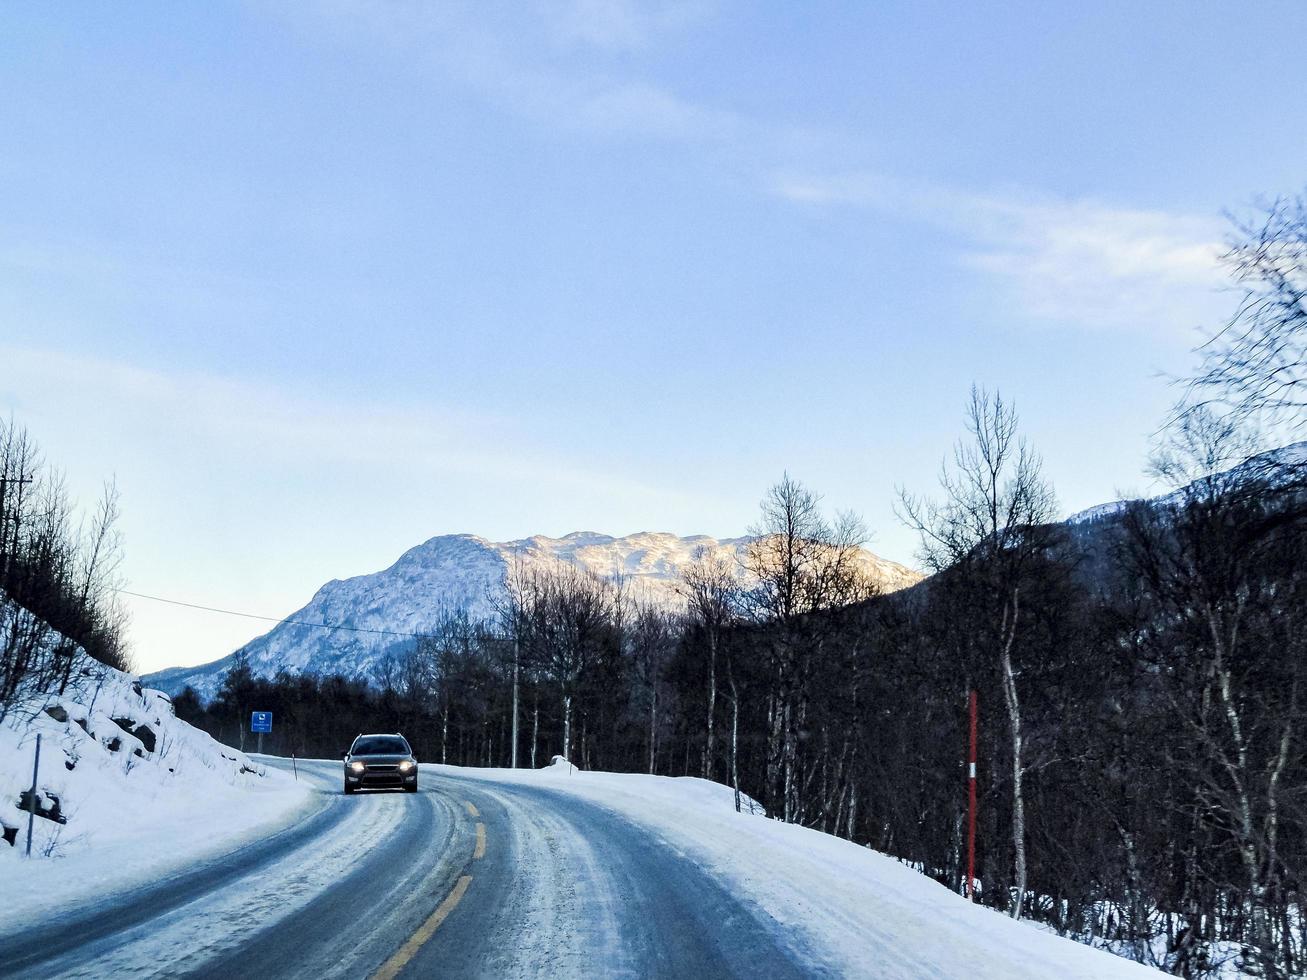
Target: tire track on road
573,889
347,926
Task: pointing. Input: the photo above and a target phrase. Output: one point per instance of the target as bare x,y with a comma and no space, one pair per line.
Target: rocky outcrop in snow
114,758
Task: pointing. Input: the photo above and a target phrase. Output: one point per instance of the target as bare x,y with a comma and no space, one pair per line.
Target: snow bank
870,915
125,789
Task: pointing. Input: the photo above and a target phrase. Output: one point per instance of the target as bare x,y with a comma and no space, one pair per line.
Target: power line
270,619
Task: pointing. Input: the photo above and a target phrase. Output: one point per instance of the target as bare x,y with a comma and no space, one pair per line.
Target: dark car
381,761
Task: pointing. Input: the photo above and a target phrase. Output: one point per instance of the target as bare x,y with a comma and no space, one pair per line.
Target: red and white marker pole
971,805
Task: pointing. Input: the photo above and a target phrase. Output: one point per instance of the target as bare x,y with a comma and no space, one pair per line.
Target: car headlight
356,767
406,765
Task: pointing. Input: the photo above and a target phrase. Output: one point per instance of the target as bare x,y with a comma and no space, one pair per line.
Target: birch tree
711,588
513,605
989,531
1221,561
798,563
572,621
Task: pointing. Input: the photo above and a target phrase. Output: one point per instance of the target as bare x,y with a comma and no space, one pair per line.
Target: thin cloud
648,110
620,25
1103,266
552,62
267,425
1078,261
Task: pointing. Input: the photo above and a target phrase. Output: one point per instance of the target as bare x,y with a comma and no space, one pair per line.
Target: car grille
383,768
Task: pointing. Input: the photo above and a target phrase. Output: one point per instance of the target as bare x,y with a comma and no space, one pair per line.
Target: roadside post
971,803
31,798
295,767
260,722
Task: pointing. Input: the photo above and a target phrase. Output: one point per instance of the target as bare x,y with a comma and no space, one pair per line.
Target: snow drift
122,781
868,914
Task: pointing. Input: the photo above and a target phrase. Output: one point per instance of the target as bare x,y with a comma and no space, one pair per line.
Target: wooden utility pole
19,481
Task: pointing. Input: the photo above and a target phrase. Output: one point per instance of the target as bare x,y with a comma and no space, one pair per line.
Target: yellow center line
471,810
480,851
390,969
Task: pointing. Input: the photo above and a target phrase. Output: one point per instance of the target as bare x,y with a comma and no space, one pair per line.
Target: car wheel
348,789
411,789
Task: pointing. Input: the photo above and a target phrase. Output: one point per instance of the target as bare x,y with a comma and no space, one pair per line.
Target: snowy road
467,878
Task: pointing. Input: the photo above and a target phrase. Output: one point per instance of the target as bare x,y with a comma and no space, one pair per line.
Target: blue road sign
261,721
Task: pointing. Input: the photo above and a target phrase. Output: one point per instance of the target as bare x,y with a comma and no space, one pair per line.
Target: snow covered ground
126,791
870,915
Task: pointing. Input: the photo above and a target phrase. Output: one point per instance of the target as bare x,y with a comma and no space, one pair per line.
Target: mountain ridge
460,570
463,570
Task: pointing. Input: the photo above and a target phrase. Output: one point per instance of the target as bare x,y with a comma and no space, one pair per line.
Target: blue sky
318,281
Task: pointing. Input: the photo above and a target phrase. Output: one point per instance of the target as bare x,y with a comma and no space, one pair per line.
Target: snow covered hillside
1275,466
863,913
458,570
121,779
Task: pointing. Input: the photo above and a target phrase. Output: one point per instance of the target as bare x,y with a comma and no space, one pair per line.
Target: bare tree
101,554
20,462
1221,558
989,530
799,563
572,623
654,635
711,587
1257,364
62,580
513,605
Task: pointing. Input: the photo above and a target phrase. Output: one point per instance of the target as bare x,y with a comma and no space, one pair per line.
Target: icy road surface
488,873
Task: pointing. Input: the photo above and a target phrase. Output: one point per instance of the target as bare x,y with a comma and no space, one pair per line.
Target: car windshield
380,745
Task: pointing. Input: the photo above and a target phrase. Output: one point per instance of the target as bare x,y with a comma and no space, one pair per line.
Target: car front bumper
373,778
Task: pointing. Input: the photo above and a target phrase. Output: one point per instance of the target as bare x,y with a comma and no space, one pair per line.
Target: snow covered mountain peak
461,571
